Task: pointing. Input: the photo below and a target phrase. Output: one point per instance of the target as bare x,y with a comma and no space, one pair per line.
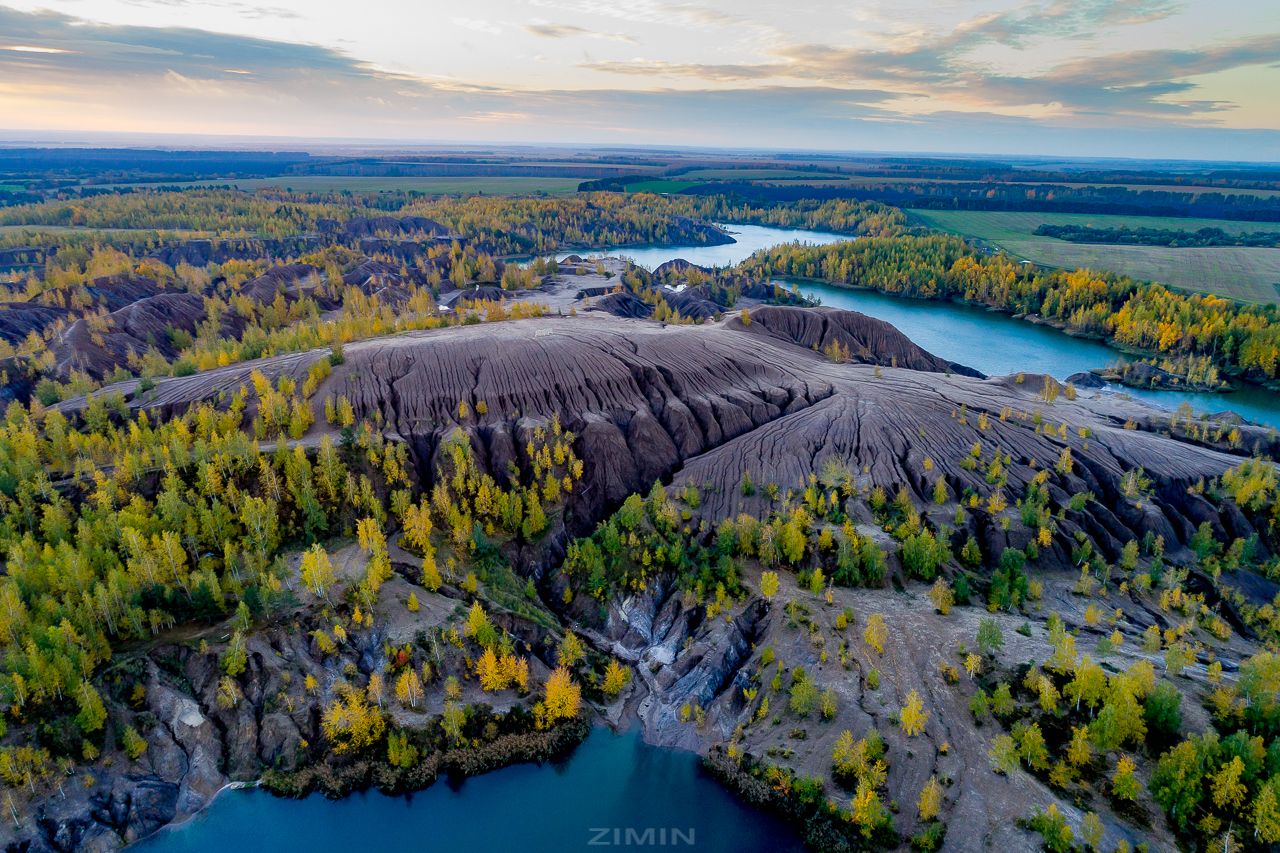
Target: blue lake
988,341
614,788
997,344
749,238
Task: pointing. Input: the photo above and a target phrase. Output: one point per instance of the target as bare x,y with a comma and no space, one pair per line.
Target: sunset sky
1152,78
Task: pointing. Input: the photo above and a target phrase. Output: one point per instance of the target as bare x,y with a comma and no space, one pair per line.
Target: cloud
918,91
244,10
479,25
72,48
725,73
561,31
657,13
31,48
500,117
940,68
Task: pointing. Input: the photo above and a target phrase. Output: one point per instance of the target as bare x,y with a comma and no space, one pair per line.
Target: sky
1197,79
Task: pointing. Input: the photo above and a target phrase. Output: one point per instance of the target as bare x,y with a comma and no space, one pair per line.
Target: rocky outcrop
201,253
1087,379
397,226
480,293
622,304
1140,374
116,291
19,319
678,268
98,346
695,303
290,280
862,339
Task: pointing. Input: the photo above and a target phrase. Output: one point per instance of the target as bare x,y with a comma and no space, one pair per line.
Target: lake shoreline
618,749
1239,383
1038,320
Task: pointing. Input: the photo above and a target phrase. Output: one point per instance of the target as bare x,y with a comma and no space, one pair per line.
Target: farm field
660,185
500,184
822,178
761,175
1174,188
1247,274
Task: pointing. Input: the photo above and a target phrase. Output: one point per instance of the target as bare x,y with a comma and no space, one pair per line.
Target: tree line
1150,318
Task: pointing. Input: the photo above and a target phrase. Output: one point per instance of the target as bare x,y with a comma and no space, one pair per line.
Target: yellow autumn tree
930,802
351,722
317,570
867,812
489,672
516,671
571,650
876,633
563,698
942,596
913,715
409,688
374,689
498,672
616,677
431,574
477,621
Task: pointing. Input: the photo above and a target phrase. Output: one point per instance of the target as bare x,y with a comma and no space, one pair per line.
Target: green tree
571,651
990,637
92,715
1163,711
804,694
1266,813
1124,785
236,656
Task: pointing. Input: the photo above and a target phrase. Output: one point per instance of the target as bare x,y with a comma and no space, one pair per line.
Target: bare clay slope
706,405
720,400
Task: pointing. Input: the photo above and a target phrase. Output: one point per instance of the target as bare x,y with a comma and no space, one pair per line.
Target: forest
1146,318
1158,236
1057,198
236,477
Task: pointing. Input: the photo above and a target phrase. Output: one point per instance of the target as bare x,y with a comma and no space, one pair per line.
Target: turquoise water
612,782
993,343
997,344
749,238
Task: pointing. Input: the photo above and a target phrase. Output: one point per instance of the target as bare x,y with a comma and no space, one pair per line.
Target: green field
494,185
758,175
660,185
1177,188
1247,274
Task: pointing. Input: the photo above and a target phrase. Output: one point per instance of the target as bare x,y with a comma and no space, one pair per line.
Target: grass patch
660,185
759,175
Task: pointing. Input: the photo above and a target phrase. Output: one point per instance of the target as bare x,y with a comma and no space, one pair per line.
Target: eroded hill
821,472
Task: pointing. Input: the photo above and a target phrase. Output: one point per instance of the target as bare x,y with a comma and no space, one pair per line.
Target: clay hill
713,405
706,402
